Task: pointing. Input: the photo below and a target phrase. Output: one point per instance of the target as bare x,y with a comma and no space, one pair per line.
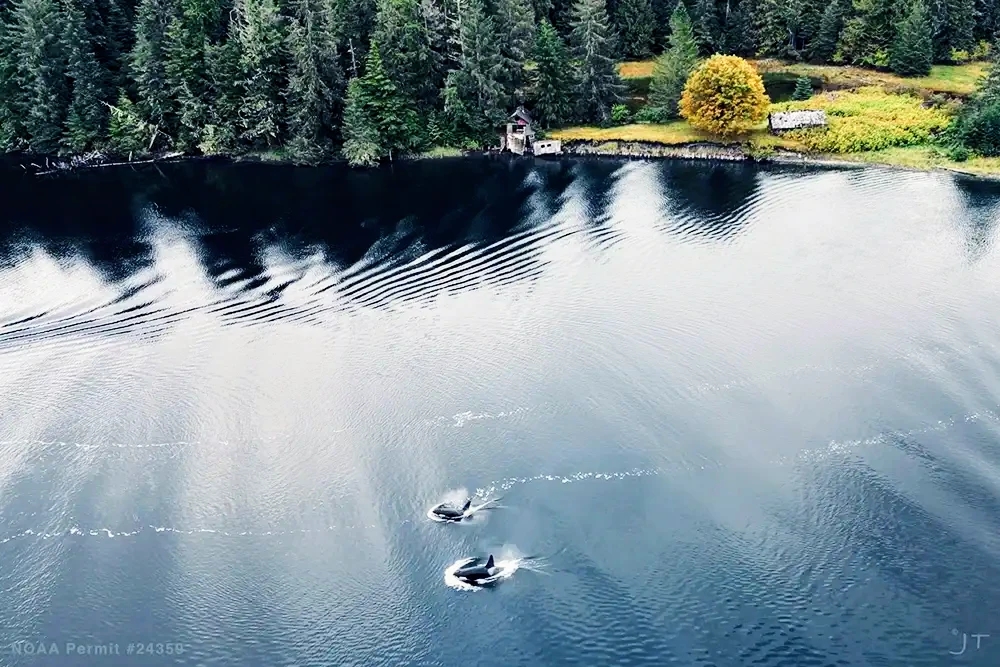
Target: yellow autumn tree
724,96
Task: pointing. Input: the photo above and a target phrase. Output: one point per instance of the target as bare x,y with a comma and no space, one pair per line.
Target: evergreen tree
127,132
598,86
354,21
405,48
261,34
474,93
553,85
772,28
315,84
516,32
803,89
824,45
11,126
662,9
868,35
674,66
707,28
148,60
387,108
953,24
225,76
86,117
634,20
913,50
43,95
362,144
188,82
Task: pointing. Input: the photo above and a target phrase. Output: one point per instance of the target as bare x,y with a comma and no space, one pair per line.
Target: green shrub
868,119
649,114
958,153
979,129
960,57
982,51
620,114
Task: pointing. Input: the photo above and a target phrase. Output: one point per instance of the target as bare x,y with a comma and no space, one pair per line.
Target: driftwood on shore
93,160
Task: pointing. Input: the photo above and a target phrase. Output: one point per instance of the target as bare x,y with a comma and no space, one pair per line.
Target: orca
450,512
476,572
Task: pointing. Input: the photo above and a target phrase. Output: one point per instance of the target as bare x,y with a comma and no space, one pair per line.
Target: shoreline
708,151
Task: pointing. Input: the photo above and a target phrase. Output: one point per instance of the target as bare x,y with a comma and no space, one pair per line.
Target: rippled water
738,416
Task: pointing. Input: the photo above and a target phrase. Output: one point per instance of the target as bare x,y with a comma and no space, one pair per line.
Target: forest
371,79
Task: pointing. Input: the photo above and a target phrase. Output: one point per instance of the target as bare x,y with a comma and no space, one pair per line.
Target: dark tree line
374,78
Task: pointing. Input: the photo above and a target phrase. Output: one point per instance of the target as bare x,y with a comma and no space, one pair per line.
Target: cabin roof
521,114
793,120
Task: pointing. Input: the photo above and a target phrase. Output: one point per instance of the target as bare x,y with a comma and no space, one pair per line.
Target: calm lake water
739,416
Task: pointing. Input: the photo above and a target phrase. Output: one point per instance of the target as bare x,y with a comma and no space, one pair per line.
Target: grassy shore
874,118
956,80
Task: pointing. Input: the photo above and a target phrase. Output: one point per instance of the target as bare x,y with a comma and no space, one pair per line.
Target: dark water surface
743,416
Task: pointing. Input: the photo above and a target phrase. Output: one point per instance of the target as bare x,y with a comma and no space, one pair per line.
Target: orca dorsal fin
489,563
467,505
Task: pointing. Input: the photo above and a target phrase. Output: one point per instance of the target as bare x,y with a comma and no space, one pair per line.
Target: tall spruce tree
225,75
389,110
43,95
363,146
913,49
674,66
474,93
86,117
315,83
11,125
634,20
260,30
148,60
824,44
868,35
516,35
598,85
953,25
405,48
553,83
707,26
188,82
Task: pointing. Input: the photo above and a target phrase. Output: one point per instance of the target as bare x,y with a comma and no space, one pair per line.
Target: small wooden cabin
520,134
520,137
783,121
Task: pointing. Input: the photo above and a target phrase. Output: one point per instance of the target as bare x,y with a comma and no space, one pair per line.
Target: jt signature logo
965,641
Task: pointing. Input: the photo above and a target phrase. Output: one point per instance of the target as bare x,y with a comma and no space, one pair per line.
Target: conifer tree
824,44
803,89
707,28
11,126
953,25
674,66
405,49
634,20
261,34
315,84
868,35
188,82
362,144
474,93
225,73
127,132
516,32
391,113
354,21
598,86
85,122
43,95
553,84
913,51
148,62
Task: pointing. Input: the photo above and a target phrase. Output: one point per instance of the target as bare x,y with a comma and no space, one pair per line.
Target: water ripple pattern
742,414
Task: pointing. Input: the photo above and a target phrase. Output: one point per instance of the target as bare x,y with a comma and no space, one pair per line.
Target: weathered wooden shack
783,121
520,137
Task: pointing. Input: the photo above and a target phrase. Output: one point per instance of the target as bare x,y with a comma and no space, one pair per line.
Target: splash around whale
470,574
453,510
